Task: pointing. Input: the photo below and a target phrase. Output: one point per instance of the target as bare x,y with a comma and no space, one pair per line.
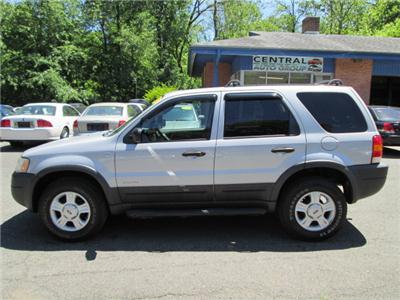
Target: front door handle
194,153
282,150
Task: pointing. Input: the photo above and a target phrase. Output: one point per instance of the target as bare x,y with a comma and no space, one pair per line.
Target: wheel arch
46,176
329,170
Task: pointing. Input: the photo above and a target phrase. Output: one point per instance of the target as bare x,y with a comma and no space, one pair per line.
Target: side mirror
134,137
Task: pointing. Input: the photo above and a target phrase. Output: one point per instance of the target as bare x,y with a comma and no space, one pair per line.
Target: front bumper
367,179
21,188
29,134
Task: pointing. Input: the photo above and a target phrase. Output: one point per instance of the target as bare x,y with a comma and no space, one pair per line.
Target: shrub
154,95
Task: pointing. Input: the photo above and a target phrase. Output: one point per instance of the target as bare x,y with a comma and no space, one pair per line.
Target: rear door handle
194,153
282,150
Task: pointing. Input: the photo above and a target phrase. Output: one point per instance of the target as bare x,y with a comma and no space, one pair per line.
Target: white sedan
106,116
39,122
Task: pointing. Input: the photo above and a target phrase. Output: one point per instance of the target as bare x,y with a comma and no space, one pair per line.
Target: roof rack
334,81
233,82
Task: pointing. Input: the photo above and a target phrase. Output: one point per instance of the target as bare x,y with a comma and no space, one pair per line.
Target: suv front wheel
312,209
73,209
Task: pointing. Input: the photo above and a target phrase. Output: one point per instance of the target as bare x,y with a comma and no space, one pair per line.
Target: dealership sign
288,63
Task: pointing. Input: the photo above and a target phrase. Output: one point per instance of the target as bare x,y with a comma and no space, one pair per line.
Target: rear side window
335,112
133,111
252,116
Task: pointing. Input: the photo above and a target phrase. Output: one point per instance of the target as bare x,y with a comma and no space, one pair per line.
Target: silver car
105,116
304,152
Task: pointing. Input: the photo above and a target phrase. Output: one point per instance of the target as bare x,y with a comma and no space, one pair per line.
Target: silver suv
304,152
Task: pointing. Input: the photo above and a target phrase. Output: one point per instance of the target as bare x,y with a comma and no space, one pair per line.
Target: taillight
120,123
44,123
377,149
5,123
76,124
388,127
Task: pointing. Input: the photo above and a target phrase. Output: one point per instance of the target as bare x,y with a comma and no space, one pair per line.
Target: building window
300,78
262,77
277,77
254,78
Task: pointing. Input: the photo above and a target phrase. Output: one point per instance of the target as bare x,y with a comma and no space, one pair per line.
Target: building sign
287,63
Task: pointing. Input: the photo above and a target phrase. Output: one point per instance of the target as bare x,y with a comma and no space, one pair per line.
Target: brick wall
355,73
224,74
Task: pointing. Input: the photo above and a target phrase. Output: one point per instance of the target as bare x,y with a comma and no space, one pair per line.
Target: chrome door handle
194,153
282,150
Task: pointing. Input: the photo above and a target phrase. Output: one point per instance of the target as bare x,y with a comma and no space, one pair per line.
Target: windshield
104,111
180,113
5,111
46,110
387,114
120,128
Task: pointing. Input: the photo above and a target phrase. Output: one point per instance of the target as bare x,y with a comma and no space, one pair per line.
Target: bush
154,95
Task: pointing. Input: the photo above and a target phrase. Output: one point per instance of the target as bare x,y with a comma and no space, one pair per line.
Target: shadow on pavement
19,148
391,153
239,234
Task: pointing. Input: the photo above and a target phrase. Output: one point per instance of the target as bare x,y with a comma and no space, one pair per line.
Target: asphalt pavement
203,258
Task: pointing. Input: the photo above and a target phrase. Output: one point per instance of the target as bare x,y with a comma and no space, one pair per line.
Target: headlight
22,165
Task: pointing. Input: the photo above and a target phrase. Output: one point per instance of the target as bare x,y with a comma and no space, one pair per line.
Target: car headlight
22,165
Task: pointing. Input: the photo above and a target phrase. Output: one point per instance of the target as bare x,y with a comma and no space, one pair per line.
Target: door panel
174,164
262,140
158,172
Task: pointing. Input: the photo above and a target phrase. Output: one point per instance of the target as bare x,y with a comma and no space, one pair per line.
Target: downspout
216,69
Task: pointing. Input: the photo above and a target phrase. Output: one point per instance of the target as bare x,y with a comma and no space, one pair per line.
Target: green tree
342,16
235,18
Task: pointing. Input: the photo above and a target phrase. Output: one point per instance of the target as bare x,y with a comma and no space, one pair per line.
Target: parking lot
201,258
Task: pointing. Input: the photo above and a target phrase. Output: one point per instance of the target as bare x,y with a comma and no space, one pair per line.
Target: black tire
93,196
16,144
294,193
64,133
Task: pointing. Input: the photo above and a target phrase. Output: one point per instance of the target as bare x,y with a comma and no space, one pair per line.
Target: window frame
256,95
69,107
202,97
135,108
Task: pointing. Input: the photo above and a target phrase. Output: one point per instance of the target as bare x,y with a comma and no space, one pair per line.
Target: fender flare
111,194
311,165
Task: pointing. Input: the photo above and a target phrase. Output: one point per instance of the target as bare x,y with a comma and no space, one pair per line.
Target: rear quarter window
335,112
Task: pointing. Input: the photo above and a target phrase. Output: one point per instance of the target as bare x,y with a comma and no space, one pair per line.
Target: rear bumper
21,188
367,179
391,140
29,134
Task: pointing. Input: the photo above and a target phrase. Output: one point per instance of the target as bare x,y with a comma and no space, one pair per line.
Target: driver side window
184,119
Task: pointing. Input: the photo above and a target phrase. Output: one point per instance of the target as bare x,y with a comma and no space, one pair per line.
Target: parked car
39,122
78,106
305,152
387,120
105,116
5,111
17,109
143,102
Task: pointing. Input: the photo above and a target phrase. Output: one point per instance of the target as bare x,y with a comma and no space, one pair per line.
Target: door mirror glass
136,136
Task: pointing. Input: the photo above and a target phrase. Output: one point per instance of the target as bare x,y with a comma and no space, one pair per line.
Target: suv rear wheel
312,209
73,209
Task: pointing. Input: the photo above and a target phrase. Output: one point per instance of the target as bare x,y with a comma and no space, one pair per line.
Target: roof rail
233,82
334,81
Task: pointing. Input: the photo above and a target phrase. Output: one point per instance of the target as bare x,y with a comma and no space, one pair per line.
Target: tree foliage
96,50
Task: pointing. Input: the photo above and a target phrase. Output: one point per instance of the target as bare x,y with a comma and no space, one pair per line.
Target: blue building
370,64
